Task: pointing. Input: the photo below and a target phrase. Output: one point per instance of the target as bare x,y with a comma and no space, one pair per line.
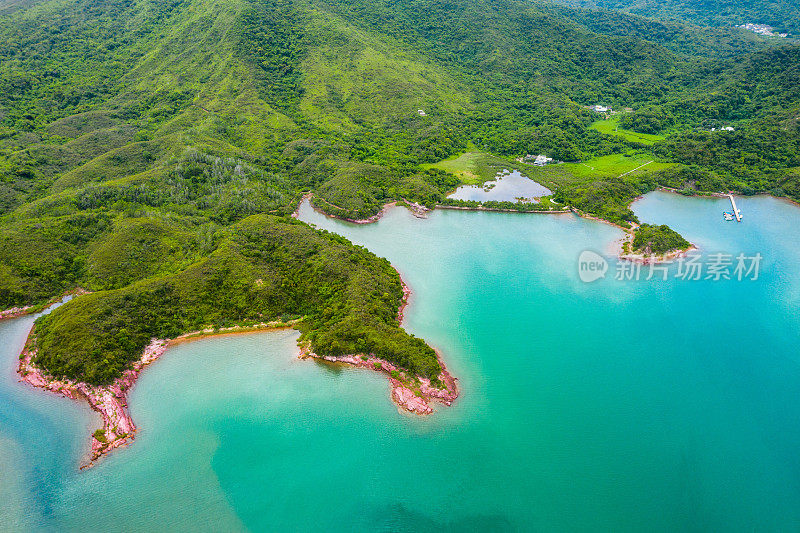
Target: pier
736,211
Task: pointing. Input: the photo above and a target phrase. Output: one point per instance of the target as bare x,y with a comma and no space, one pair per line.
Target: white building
762,29
539,160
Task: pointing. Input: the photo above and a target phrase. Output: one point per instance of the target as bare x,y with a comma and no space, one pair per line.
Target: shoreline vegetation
626,250
265,271
418,210
16,312
152,152
412,393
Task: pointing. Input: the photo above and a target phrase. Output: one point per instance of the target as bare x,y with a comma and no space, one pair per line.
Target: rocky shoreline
624,246
111,400
374,218
404,301
413,394
655,259
421,212
16,312
501,210
697,193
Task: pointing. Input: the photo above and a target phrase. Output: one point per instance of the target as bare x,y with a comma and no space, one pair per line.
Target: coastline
622,248
499,210
581,214
411,393
16,312
655,258
421,212
111,401
697,194
418,210
374,218
405,300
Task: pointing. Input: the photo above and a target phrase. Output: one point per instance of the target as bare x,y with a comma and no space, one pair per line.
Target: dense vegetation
495,205
651,119
650,239
609,200
152,151
784,15
266,268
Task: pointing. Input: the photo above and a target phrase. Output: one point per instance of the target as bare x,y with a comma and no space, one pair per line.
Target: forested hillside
783,15
142,143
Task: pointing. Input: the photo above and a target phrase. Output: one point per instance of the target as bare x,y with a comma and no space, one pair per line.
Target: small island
650,243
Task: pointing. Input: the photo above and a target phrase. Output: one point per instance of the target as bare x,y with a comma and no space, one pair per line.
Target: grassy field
477,167
603,186
611,166
599,168
474,168
611,127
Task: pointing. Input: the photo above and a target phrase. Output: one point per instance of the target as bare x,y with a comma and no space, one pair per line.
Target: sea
631,399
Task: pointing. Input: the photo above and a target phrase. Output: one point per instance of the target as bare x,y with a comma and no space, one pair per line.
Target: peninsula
75,351
153,153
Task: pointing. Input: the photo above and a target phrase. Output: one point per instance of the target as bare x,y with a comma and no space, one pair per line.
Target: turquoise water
627,406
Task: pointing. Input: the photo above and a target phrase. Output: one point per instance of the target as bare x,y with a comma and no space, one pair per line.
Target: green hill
139,139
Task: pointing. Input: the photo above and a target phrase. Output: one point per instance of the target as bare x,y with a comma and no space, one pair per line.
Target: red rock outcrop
110,401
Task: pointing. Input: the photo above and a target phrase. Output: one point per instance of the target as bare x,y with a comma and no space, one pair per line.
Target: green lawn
609,166
611,127
478,167
474,168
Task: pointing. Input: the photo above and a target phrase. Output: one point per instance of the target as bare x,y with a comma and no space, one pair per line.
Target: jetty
736,212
